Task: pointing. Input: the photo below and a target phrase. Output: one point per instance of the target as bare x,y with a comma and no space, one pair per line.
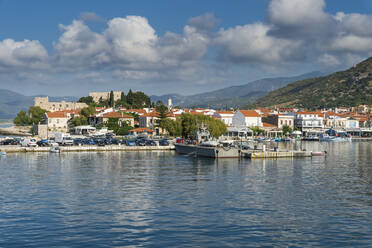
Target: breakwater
13,149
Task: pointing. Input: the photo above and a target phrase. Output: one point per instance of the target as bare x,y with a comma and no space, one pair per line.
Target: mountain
11,102
345,88
234,96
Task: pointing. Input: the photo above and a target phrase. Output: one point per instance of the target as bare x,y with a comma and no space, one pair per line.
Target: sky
69,48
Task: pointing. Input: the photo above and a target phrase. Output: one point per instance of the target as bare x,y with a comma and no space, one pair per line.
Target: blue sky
73,47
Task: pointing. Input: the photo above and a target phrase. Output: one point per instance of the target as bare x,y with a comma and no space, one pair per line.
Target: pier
14,149
275,154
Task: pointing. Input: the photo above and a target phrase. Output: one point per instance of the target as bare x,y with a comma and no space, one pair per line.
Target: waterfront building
225,116
43,102
280,120
308,121
149,120
58,121
248,118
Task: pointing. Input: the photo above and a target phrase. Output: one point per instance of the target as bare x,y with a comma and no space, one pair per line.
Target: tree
163,112
88,111
130,97
22,119
186,125
86,99
111,99
36,114
286,129
79,121
257,130
124,129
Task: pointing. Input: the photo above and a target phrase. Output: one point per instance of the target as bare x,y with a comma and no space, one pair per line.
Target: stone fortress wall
105,95
43,102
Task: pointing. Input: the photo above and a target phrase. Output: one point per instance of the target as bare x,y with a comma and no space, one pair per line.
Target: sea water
162,199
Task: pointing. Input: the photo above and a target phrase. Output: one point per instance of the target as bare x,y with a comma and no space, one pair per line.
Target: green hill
345,88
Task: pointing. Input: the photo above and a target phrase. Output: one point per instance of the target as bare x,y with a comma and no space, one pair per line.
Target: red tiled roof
249,113
152,114
141,130
224,112
142,111
57,114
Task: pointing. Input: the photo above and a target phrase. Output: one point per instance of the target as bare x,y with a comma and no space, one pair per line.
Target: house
224,116
142,131
57,121
149,120
308,121
248,118
104,117
280,120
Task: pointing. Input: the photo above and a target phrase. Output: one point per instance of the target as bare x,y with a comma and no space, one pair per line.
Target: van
29,143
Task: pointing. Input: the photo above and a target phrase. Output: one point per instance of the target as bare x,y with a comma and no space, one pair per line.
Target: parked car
43,142
9,142
88,141
78,141
163,142
29,143
130,143
141,142
150,143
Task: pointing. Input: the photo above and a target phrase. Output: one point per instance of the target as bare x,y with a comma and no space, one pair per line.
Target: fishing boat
204,146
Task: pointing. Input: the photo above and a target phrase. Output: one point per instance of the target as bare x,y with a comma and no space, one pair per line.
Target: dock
275,154
92,148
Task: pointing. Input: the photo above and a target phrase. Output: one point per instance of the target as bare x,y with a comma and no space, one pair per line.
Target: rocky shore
18,131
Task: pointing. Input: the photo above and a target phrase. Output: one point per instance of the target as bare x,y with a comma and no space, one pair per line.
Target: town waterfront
162,199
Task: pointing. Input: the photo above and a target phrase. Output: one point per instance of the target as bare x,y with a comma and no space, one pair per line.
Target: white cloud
297,12
91,17
355,23
132,40
22,54
79,46
252,44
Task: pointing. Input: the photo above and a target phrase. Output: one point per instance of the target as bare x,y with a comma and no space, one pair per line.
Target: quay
14,149
275,154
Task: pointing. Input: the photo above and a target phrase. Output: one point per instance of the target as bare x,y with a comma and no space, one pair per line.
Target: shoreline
16,131
109,148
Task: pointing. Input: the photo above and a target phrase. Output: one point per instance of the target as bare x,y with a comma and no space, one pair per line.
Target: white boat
2,153
326,137
55,149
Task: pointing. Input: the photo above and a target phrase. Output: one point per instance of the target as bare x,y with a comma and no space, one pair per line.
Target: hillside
11,103
345,88
234,96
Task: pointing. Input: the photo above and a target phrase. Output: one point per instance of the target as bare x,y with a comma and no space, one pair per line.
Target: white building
57,121
337,121
309,120
248,118
225,116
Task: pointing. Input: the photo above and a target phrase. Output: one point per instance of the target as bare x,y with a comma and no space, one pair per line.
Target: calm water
157,199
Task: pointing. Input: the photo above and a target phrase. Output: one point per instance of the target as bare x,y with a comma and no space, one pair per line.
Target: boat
55,149
204,146
318,153
329,138
2,153
311,138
